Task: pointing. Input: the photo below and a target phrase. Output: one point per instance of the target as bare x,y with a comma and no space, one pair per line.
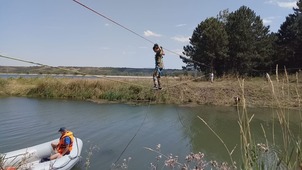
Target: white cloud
268,20
269,2
181,25
149,33
283,4
181,39
287,4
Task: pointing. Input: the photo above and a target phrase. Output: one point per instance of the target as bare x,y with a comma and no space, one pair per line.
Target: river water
114,132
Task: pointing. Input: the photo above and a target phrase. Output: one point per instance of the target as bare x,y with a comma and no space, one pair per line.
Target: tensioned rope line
64,69
24,61
143,122
128,29
39,64
99,14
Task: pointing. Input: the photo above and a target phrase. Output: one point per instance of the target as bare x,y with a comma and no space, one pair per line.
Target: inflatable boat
30,158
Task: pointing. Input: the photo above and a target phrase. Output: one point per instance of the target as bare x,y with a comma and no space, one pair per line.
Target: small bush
111,96
3,82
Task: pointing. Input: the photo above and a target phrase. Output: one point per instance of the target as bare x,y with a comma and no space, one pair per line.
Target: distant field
87,71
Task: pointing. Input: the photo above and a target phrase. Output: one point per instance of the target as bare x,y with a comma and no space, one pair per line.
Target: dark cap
155,46
62,129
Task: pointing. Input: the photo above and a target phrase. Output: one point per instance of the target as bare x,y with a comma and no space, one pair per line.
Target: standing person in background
212,77
159,65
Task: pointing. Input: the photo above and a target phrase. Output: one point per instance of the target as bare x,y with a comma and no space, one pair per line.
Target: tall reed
245,131
291,147
272,155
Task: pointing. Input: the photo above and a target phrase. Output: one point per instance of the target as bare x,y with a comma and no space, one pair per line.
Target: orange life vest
61,146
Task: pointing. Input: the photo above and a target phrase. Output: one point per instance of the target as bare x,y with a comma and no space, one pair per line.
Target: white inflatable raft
30,158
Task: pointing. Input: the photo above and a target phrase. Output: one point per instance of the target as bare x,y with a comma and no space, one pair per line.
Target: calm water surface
110,127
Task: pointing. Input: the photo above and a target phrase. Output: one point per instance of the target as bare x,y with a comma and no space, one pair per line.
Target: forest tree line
239,43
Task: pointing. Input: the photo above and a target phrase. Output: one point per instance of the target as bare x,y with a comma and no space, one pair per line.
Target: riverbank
258,92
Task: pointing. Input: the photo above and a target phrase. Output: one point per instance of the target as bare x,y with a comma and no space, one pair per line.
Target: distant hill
87,70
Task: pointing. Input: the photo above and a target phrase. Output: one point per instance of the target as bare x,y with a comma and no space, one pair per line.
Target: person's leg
155,78
54,145
55,156
158,78
158,82
155,81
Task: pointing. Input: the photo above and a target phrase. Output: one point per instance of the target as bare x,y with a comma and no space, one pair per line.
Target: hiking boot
159,88
44,160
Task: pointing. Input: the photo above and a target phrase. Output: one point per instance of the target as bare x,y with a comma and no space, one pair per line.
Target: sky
64,33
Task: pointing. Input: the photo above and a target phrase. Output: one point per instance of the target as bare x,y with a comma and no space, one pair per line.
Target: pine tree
209,46
250,44
289,43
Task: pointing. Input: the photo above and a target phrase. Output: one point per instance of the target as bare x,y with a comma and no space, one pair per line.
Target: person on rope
159,65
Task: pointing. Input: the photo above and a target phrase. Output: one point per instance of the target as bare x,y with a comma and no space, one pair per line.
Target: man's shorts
157,72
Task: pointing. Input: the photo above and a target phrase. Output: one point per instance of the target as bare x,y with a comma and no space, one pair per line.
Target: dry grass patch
184,90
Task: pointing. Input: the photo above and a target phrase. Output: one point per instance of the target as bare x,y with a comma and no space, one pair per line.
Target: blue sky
63,33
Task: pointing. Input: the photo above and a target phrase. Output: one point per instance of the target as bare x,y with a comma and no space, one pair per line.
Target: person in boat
64,146
159,65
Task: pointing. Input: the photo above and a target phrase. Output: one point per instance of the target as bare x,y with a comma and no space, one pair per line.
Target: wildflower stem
230,154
